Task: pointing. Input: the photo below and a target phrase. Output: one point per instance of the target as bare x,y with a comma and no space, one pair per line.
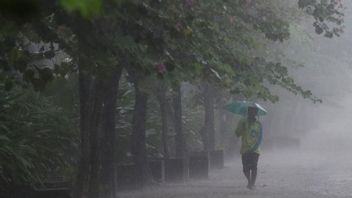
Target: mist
176,99
327,73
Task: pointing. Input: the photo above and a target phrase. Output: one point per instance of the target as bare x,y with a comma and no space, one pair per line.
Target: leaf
87,8
5,138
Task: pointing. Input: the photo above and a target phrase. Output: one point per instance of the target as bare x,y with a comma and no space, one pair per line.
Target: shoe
251,187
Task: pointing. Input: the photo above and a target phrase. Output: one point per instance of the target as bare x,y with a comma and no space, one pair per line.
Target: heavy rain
175,99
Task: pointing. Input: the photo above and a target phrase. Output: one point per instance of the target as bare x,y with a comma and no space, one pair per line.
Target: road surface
285,174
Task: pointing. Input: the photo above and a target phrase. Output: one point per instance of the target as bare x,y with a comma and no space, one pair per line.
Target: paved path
281,175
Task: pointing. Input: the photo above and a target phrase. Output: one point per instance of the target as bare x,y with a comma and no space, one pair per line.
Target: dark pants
250,162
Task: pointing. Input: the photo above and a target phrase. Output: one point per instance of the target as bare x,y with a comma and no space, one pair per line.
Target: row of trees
144,49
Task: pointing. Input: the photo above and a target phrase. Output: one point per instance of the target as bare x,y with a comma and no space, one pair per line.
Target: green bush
36,138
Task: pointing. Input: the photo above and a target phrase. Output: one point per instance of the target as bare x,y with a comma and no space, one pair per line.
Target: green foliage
19,10
87,8
193,118
36,137
328,15
23,57
125,104
192,37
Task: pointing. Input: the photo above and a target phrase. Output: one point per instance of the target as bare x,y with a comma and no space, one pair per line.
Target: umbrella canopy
241,107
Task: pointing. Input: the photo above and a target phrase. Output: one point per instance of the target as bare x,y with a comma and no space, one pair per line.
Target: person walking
251,134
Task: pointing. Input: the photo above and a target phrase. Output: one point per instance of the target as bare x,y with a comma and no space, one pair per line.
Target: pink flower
178,26
232,19
161,68
248,2
189,3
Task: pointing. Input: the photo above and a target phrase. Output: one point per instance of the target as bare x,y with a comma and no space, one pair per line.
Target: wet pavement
285,174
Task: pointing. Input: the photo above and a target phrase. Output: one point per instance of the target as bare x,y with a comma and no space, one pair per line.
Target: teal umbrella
241,107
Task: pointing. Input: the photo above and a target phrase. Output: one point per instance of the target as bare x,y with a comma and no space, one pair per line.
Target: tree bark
109,135
181,146
209,125
222,126
180,139
138,138
90,108
94,122
82,177
164,119
94,91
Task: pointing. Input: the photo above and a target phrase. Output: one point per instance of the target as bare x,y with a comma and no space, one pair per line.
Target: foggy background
327,72
306,148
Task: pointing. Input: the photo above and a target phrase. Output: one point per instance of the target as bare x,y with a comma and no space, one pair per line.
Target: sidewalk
280,176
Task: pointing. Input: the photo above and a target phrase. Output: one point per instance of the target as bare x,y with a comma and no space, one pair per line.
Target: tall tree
138,137
180,142
108,163
162,89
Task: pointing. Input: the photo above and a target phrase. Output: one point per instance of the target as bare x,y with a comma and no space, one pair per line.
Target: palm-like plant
35,137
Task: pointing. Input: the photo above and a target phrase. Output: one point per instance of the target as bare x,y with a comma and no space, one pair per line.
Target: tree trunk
222,127
164,119
181,146
180,139
92,95
108,171
83,166
138,139
90,108
209,126
94,122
